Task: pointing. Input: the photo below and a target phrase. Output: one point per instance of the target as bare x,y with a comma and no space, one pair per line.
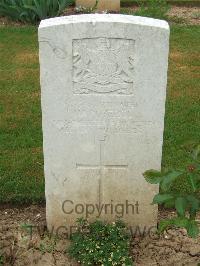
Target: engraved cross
101,167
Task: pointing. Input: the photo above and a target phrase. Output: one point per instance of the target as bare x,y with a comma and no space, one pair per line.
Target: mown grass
182,121
21,159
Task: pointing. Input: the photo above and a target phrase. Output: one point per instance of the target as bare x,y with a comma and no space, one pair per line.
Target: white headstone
103,81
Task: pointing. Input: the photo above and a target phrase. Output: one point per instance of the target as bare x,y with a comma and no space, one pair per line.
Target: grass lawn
21,159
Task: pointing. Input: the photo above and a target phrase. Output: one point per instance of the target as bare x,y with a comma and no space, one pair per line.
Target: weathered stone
103,81
103,5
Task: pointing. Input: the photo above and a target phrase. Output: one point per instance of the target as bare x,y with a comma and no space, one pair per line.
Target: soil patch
187,15
177,14
22,247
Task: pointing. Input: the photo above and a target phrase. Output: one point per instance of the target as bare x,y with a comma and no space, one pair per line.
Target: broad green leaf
168,179
192,181
170,203
153,176
181,222
181,205
162,198
194,201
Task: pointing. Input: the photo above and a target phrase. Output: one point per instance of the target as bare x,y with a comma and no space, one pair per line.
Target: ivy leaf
181,205
162,198
168,179
153,176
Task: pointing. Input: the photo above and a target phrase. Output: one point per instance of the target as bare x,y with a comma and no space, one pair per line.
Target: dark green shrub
186,203
32,11
99,243
153,8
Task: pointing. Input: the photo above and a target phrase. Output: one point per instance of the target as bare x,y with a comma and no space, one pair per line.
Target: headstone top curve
97,18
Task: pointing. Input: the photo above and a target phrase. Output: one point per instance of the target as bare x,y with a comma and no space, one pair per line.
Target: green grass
182,121
21,159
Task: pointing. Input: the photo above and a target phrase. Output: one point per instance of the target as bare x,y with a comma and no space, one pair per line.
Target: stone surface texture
103,85
103,5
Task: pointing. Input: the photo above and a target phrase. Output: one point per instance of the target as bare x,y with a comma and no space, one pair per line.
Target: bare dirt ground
180,15
173,248
20,247
187,15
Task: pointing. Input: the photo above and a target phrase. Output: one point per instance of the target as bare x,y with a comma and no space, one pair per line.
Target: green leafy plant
186,204
32,11
153,8
99,243
47,245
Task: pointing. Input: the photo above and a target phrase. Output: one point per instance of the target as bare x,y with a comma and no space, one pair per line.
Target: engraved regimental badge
103,66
